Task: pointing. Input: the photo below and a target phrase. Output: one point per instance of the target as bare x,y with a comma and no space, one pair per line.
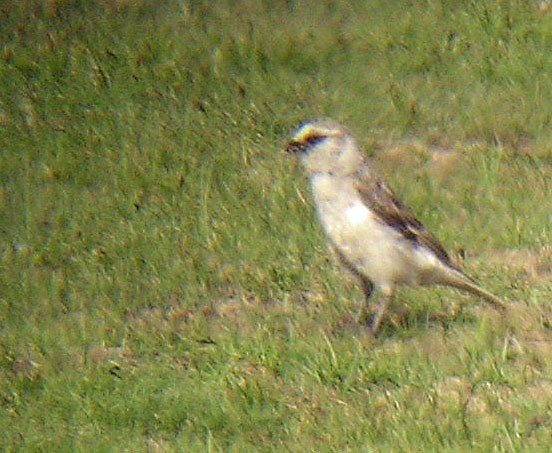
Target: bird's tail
461,281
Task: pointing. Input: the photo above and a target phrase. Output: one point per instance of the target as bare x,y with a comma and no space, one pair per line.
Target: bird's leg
379,313
365,313
367,288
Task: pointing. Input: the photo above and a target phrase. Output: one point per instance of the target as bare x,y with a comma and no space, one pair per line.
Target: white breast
357,213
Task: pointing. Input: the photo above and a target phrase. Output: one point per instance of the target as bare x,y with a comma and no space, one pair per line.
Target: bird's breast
356,213
342,213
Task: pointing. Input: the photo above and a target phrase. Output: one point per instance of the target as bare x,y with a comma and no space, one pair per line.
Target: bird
373,233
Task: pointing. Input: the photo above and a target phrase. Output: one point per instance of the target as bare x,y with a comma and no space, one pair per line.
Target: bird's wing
381,200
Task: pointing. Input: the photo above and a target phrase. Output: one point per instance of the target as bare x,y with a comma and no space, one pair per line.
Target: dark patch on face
314,140
295,147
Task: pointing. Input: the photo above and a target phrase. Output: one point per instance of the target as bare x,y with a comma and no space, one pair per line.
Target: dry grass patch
526,266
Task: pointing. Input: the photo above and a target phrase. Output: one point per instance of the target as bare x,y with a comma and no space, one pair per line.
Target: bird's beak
294,147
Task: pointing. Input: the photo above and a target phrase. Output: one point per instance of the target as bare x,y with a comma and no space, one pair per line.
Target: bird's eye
315,139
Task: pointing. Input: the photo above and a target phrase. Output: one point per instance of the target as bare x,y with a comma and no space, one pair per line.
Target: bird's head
325,146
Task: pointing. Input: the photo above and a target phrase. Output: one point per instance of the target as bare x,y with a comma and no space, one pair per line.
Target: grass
164,285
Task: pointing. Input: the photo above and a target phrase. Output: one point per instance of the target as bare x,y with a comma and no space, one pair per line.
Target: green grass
164,285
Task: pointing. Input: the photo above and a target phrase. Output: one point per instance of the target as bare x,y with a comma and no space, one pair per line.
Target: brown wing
381,199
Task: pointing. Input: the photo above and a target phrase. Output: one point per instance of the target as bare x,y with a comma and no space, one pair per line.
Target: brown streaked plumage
381,199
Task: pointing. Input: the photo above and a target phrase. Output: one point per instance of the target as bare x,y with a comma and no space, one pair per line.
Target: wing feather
380,198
